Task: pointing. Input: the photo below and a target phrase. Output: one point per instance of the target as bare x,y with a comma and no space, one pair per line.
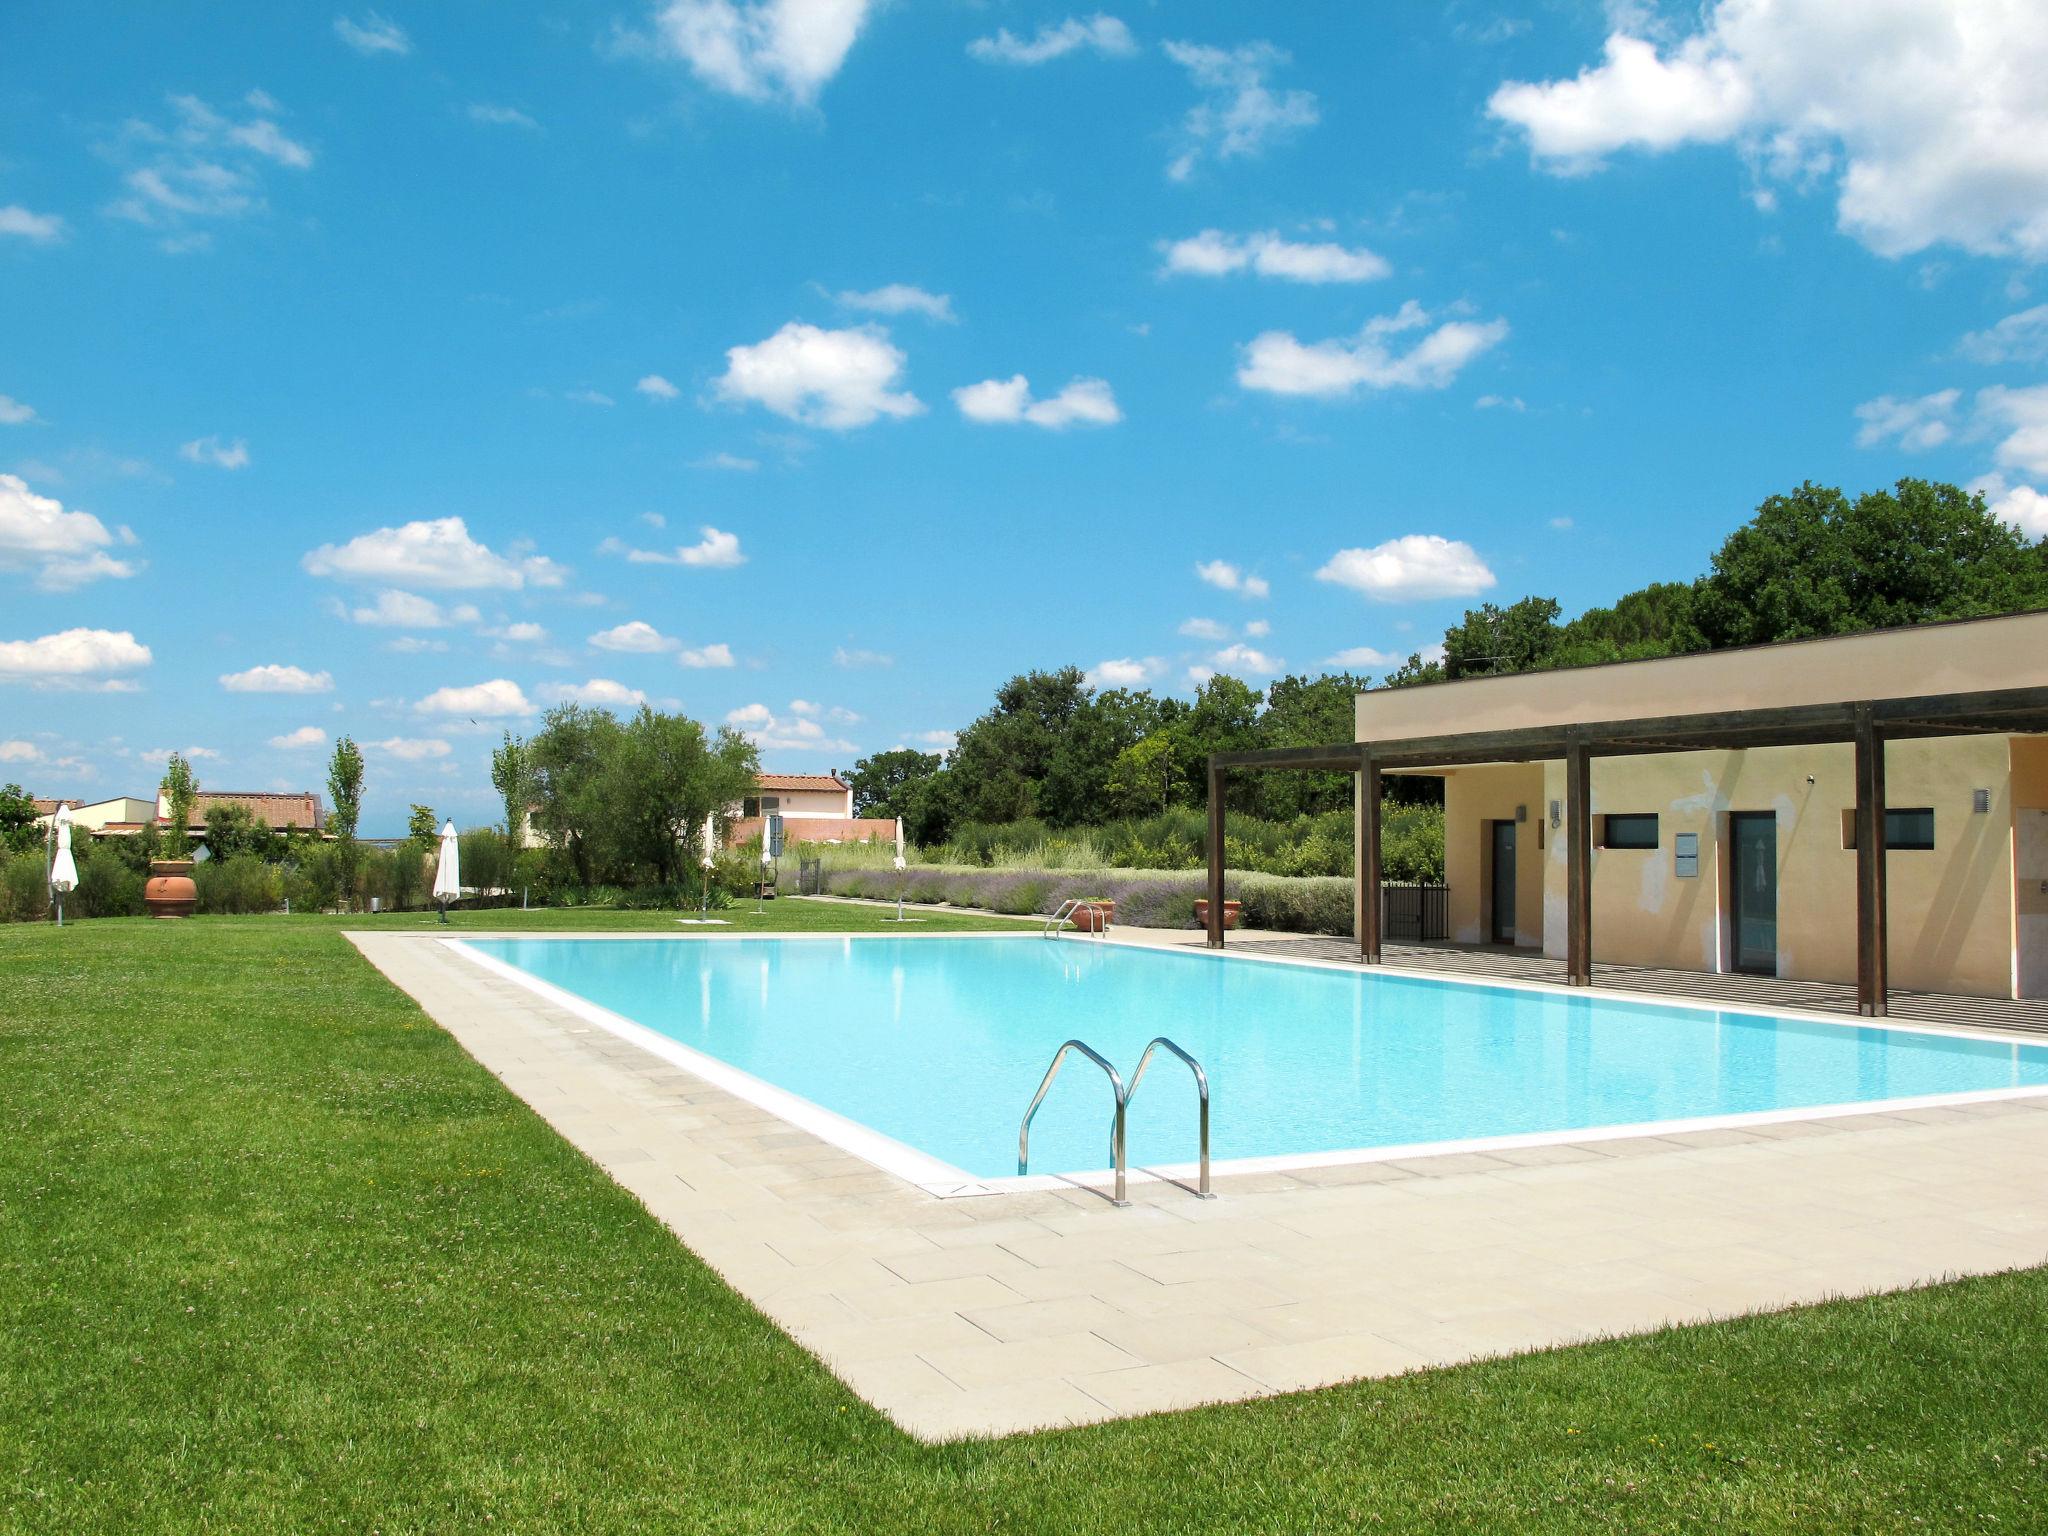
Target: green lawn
275,1255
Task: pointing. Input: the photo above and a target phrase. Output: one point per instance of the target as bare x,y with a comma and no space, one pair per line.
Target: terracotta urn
1230,912
1094,916
170,892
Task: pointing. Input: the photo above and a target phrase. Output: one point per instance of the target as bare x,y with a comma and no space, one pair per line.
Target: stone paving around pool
1022,1311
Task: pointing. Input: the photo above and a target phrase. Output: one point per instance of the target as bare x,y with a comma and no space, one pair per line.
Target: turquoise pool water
940,1043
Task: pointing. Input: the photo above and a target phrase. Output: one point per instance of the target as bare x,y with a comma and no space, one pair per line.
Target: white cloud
832,379
203,167
1239,114
730,461
2020,338
599,693
42,228
1245,661
588,397
1124,672
64,549
1926,116
1362,656
20,752
277,679
1086,402
1499,403
1561,524
1410,568
844,657
717,550
74,658
785,733
499,117
304,737
1205,629
497,698
636,636
516,634
373,35
1103,34
762,49
655,387
413,645
407,610
1226,577
268,140
1213,253
1258,629
944,741
900,299
162,754
13,413
1918,424
2021,505
2022,414
435,553
719,655
1279,364
221,455
410,749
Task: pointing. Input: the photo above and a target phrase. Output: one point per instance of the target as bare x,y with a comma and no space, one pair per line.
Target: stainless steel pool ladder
1118,1144
1057,923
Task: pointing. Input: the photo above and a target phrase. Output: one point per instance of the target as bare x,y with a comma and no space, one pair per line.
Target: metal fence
1416,912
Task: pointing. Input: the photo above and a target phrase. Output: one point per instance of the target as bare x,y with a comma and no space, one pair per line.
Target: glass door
1503,882
1753,891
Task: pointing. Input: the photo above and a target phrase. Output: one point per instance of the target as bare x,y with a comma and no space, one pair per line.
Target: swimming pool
922,1053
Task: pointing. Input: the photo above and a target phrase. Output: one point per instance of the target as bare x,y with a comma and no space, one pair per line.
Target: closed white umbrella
899,866
448,871
63,868
709,857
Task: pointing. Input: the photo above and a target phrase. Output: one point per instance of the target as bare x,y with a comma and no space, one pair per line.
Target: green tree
423,827
566,758
1000,761
1490,639
179,788
512,777
233,829
882,784
1145,776
345,789
1225,718
1308,712
18,829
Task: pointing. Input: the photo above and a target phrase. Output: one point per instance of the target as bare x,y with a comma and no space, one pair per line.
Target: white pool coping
943,1180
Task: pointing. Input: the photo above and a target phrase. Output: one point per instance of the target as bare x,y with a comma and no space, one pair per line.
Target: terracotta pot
1230,912
1094,916
170,892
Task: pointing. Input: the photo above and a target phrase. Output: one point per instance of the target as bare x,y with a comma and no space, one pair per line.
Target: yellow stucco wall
1951,908
1474,798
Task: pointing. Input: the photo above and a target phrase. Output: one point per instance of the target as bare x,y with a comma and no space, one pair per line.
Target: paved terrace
1019,1311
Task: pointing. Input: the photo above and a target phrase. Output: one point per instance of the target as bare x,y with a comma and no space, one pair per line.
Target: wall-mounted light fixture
1557,813
1521,813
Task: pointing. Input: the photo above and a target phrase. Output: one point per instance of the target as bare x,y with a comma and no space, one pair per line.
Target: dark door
1753,891
1503,882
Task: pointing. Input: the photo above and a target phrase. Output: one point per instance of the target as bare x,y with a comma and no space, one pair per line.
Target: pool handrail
1202,1191
1116,1126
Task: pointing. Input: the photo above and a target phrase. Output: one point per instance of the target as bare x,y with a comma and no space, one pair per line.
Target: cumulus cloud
1926,116
202,167
305,737
1410,569
719,655
216,452
1204,629
496,699
599,693
75,658
900,299
14,413
1084,402
761,49
409,749
716,550
1245,661
515,634
65,550
499,117
1239,115
2021,505
832,379
1226,577
1279,364
436,553
1099,33
277,679
843,656
793,732
731,461
18,751
408,610
1916,425
1363,656
655,387
1212,253
636,636
37,228
372,35
2020,338
2022,414
1124,672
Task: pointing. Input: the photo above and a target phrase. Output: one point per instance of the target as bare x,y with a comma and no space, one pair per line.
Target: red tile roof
800,781
273,810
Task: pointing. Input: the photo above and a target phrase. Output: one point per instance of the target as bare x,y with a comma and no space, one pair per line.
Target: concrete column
1367,863
1578,831
1872,937
1216,786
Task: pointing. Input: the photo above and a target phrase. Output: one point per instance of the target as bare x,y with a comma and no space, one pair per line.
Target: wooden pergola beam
1578,863
1365,867
1872,937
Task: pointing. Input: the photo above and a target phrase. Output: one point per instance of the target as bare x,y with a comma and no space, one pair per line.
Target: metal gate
1420,913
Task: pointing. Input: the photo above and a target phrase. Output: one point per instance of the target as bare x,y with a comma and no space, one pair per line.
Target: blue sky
816,365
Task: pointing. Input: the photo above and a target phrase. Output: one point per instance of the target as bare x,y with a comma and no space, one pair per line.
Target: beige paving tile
1163,1387
971,1366
1342,1357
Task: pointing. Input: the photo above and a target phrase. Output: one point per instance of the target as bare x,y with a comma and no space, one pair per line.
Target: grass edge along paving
279,1256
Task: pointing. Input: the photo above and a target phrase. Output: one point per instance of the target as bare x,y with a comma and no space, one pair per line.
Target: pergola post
1367,862
1216,783
1578,854
1872,940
